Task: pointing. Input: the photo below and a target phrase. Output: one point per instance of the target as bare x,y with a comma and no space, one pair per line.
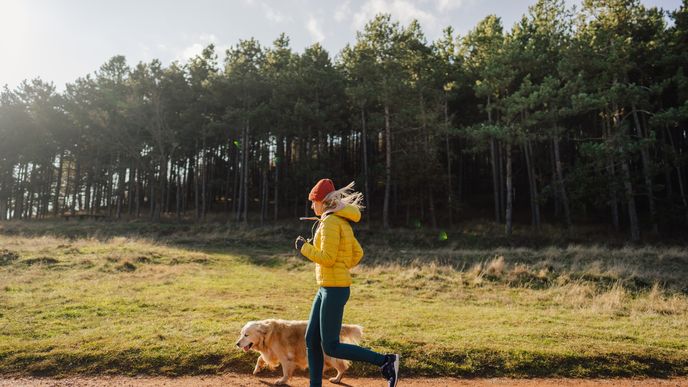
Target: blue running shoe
390,370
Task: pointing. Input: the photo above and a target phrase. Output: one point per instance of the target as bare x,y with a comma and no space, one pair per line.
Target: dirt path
252,381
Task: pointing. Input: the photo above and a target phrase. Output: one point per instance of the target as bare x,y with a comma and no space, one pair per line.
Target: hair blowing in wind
345,195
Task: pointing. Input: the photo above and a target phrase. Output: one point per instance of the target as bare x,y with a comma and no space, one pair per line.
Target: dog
284,342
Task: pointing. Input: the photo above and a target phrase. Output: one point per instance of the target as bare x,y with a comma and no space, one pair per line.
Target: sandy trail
300,381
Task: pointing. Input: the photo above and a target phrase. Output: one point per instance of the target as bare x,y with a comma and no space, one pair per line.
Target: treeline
572,115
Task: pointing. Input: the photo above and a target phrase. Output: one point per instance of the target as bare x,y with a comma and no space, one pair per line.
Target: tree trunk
237,185
261,183
228,178
178,195
628,185
130,190
509,189
47,187
364,144
108,191
58,186
611,170
197,195
682,191
98,196
246,147
560,183
211,190
555,182
168,187
495,178
669,184
152,200
679,174
501,176
3,200
459,183
265,192
19,195
278,164
645,156
89,183
287,164
431,204
388,169
630,199
35,196
204,179
160,191
450,206
68,186
668,170
5,188
138,191
121,177
532,184
30,196
186,187
77,176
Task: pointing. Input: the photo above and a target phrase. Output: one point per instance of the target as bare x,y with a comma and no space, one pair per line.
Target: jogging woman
335,250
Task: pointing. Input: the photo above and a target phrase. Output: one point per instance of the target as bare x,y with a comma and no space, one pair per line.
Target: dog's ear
265,329
262,328
246,326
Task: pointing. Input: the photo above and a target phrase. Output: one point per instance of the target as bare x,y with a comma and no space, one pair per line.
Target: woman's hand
298,243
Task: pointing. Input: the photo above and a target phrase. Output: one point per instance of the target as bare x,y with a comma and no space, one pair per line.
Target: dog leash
313,228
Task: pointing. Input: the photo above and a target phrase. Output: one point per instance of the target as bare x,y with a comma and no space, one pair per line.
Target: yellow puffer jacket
335,250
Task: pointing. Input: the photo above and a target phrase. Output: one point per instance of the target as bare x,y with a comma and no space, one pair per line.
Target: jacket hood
349,212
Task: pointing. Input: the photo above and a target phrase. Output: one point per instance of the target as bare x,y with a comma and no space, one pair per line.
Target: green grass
169,299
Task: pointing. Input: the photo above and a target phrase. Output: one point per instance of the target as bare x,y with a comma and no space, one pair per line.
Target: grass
140,298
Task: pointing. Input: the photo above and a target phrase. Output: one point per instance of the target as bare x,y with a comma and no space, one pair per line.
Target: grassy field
140,298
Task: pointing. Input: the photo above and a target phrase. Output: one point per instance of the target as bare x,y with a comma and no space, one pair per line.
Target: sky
61,40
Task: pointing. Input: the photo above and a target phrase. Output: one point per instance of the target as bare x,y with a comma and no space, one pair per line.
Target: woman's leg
331,313
313,343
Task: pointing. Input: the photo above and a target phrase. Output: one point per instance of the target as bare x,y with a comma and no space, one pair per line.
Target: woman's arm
329,243
357,253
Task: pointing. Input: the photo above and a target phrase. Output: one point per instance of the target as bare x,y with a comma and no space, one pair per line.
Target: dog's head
252,334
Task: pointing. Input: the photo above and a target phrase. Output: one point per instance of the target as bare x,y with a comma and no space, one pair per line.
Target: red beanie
318,193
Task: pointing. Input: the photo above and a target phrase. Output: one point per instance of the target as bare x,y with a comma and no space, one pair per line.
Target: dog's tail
351,334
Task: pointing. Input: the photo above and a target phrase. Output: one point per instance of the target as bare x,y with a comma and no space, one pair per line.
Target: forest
573,115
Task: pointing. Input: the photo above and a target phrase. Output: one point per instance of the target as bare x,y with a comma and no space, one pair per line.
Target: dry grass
495,267
611,300
173,304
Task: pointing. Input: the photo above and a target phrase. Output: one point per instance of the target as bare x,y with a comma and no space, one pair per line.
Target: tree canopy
573,115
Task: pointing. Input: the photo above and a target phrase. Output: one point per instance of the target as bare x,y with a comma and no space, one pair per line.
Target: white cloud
446,5
314,29
272,14
403,10
343,11
196,48
191,51
145,52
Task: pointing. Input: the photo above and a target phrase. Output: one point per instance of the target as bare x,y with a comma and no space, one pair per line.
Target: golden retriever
284,342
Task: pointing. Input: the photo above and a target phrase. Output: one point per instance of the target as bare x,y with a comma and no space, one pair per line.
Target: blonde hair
345,195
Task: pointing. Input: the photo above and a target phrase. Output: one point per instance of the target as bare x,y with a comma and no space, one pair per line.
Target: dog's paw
335,380
256,370
281,382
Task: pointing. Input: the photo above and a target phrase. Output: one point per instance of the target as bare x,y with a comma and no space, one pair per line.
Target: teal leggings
322,334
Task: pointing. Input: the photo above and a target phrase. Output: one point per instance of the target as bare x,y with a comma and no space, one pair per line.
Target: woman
335,250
